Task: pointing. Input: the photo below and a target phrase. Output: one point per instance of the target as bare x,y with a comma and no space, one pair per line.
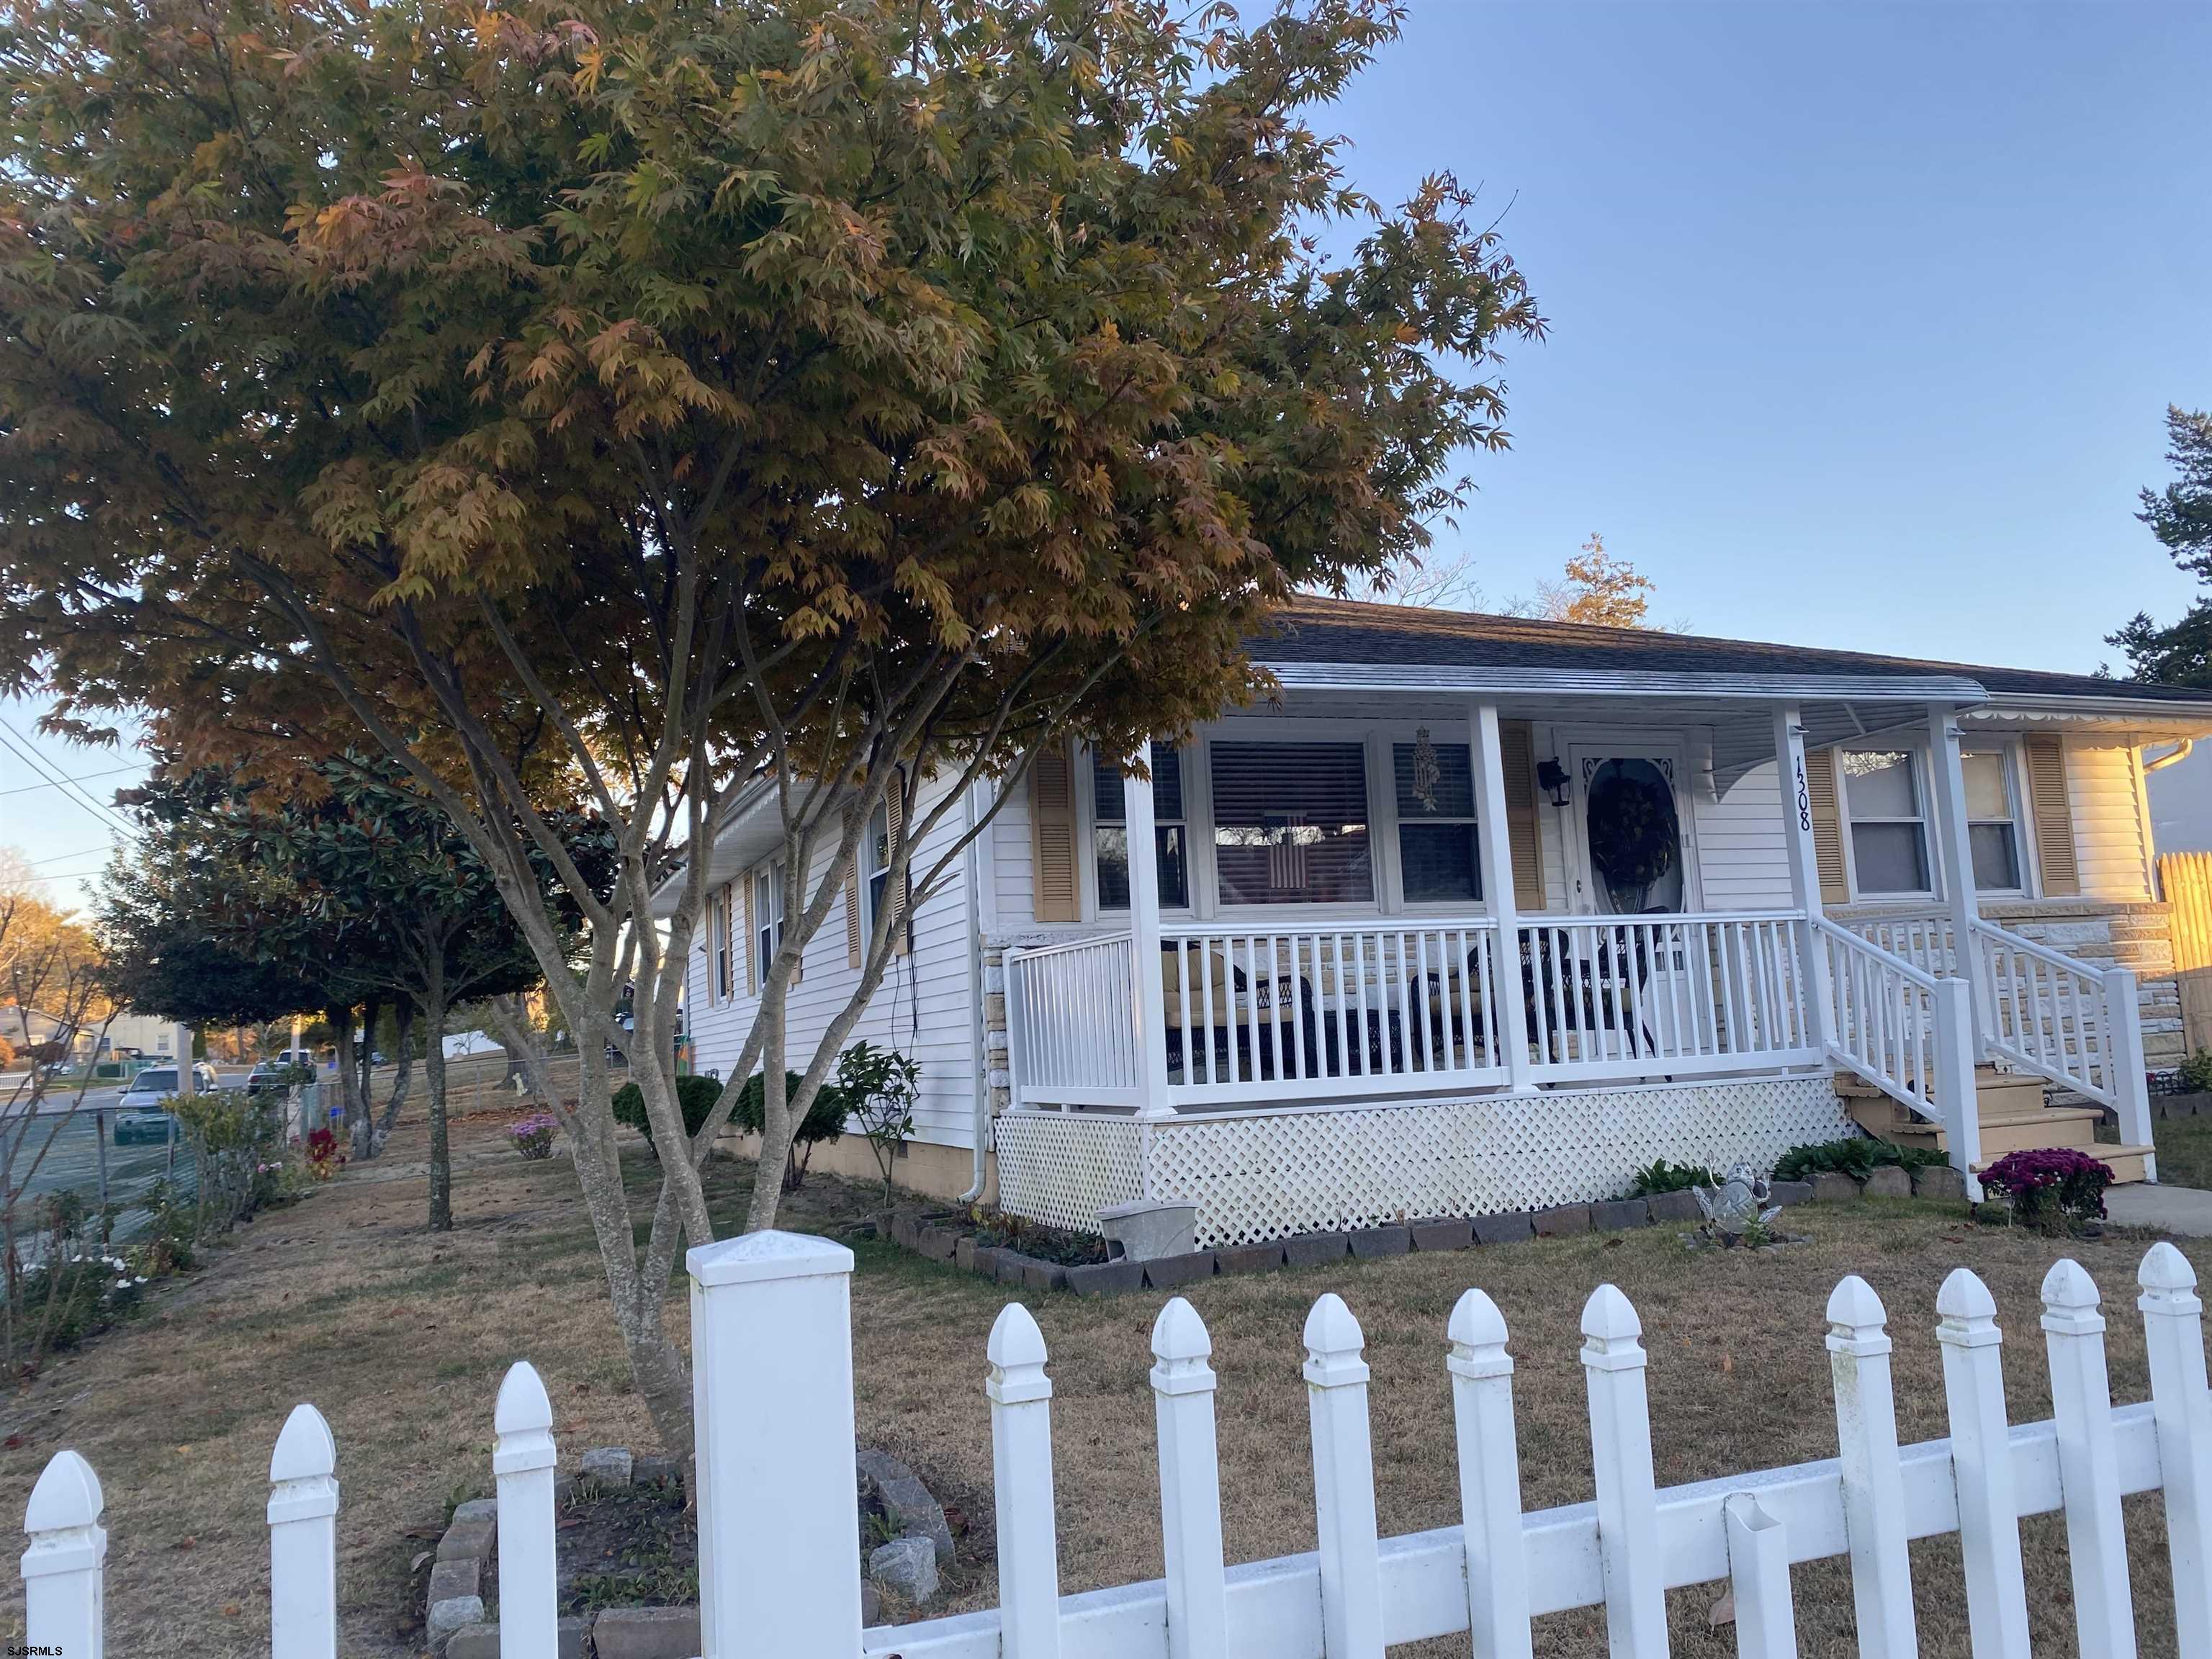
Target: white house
1482,912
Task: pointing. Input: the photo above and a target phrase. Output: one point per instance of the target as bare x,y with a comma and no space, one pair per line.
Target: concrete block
471,1540
1250,1258
659,1632
1371,1243
1508,1229
450,1581
1617,1215
1834,1188
963,1253
445,1618
1674,1207
1312,1250
1442,1235
1166,1273
477,1508
914,1513
1011,1265
905,1566
1038,1275
1939,1181
936,1243
1106,1278
1787,1192
607,1466
906,1225
1889,1182
984,1260
1562,1220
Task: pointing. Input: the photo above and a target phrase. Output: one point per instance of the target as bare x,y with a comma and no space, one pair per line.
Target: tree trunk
404,1013
348,1077
433,1076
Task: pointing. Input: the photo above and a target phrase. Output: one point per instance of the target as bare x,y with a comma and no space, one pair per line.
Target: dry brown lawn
401,1336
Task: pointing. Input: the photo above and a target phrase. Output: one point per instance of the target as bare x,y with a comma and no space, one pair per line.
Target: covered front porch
1610,936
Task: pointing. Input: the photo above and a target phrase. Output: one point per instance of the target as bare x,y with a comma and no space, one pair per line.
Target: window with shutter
1052,838
1517,760
2056,862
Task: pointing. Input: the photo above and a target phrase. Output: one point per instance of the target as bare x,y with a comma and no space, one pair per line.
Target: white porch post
1804,870
1498,891
1956,857
1147,994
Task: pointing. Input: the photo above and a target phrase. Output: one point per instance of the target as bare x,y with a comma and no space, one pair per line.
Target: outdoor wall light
1552,776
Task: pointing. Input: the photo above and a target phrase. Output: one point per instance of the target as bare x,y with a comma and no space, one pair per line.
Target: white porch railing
1070,1025
1611,998
1398,1006
2036,1009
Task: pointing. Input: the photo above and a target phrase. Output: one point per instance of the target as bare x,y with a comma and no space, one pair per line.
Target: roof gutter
2178,752
1626,683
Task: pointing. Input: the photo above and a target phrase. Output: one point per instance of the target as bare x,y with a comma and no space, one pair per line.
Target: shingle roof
1321,631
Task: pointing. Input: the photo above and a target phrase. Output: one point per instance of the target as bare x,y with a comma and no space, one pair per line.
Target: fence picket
2174,1331
522,1464
1021,1471
1489,1478
64,1568
1981,1467
303,1542
2081,1403
1190,1484
1873,1481
1344,1483
1759,1577
1627,1497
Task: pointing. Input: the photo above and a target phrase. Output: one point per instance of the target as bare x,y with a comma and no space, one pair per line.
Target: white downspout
2178,752
978,1036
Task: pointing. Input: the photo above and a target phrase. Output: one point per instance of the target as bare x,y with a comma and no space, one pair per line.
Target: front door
1628,823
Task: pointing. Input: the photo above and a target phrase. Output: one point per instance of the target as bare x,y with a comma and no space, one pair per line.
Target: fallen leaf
1727,1365
231,1609
185,1544
1723,1611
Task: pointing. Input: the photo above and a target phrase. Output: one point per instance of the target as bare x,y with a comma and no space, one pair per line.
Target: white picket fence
779,1555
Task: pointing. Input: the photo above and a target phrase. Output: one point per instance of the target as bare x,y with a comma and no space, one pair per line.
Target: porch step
2014,1119
2127,1162
1998,1092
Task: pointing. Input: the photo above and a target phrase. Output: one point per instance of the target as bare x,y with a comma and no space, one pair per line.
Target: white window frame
1374,738
1086,767
768,882
721,976
875,868
2023,842
1916,760
1456,737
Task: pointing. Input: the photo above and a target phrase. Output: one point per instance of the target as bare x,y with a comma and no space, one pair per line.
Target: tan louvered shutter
2055,860
1827,826
854,947
894,820
1516,759
1052,837
749,946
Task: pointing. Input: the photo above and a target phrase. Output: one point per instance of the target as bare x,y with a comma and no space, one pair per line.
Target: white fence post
1627,1499
772,1404
303,1540
1344,1483
522,1461
2131,1084
63,1594
2088,1474
1873,1481
1190,1484
1021,1471
1981,1467
1957,1049
1489,1478
1759,1577
2174,1331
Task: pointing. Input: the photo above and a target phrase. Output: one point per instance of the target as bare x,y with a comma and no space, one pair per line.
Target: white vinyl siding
923,1007
2112,831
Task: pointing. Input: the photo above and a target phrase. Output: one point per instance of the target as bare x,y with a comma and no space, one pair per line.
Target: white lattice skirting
1264,1175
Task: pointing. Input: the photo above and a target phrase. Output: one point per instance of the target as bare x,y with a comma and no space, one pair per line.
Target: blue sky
1865,317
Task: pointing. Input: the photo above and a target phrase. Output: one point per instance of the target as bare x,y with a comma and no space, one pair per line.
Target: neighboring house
1483,913
2181,800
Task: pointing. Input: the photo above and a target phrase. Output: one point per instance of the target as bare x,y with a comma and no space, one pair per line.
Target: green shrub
2196,1073
824,1120
1858,1156
1660,1176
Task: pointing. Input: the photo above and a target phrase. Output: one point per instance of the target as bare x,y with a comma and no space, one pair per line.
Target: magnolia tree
823,398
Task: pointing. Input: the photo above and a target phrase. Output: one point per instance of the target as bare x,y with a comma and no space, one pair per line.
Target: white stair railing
1907,1031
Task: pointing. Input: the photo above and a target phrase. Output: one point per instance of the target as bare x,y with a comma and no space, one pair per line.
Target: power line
81,853
20,746
113,771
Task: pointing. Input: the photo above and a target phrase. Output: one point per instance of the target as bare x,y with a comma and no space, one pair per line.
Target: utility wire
18,745
113,771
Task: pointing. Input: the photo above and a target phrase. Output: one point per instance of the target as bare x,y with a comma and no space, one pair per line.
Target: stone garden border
943,1236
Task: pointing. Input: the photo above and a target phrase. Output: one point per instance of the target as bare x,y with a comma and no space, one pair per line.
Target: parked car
143,1113
271,1077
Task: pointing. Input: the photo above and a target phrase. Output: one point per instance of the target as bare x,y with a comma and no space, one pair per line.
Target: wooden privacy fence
2185,879
779,1557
